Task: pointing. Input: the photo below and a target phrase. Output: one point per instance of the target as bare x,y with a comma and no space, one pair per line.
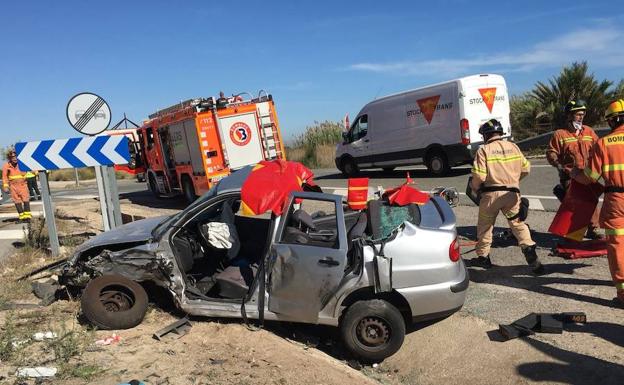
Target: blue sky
319,59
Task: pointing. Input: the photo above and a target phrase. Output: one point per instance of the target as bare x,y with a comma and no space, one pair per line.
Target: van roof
469,77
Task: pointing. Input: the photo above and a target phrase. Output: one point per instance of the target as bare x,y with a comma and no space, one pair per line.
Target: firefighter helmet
490,127
575,105
614,115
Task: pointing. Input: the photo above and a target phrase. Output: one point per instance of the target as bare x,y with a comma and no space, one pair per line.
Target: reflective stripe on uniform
29,174
612,167
12,177
510,214
503,159
525,163
614,231
587,138
568,140
619,285
478,170
591,174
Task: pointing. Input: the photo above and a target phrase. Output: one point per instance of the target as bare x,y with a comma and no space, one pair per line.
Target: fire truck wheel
189,189
151,181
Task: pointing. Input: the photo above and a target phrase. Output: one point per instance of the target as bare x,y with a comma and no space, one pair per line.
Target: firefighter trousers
507,202
19,191
615,254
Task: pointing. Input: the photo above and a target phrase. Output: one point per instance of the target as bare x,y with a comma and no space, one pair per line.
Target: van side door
308,256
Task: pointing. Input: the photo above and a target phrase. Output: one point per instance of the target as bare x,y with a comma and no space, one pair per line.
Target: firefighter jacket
499,163
566,148
11,174
607,161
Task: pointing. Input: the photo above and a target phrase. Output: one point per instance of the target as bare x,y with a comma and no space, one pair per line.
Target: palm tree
574,82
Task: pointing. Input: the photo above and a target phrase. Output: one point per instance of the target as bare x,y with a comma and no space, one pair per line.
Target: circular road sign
88,113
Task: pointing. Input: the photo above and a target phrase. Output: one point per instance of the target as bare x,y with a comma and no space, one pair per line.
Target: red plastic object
576,210
585,249
405,194
357,193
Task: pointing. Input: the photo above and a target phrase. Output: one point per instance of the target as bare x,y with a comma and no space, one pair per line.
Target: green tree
524,112
574,82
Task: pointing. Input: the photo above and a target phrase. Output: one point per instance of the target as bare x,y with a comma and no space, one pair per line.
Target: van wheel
114,302
188,189
349,167
372,330
437,163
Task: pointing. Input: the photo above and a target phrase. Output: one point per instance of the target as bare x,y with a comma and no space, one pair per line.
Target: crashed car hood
132,232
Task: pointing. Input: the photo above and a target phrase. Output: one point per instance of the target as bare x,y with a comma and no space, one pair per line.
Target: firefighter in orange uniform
607,161
570,147
498,167
15,181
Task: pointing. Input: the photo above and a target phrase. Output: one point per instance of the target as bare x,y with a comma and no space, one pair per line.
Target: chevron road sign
73,153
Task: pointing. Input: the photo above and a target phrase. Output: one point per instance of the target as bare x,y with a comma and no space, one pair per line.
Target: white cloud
601,46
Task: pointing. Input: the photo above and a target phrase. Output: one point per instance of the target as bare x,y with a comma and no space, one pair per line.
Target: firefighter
15,181
33,188
607,161
498,167
571,145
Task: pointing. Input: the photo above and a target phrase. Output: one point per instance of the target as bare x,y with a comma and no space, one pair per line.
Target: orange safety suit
607,161
499,164
14,180
568,149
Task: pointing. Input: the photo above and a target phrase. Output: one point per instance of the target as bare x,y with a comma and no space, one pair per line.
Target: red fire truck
188,147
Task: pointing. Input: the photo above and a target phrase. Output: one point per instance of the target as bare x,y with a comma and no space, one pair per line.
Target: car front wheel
372,330
114,302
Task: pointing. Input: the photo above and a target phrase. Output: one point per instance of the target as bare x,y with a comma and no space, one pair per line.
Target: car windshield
164,225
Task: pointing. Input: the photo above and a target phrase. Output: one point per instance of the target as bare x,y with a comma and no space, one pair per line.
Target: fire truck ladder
270,137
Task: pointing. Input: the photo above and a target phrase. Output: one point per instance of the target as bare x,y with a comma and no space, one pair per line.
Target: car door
307,265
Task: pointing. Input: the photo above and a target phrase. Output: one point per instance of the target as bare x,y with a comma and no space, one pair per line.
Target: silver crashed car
370,272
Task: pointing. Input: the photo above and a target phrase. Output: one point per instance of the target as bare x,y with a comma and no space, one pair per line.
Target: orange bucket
357,193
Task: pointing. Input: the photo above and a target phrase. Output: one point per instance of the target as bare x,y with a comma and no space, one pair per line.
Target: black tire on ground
372,330
140,177
114,302
388,169
437,163
349,167
188,189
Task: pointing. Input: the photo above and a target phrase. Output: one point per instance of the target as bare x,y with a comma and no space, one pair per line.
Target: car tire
372,330
114,302
349,167
188,189
437,163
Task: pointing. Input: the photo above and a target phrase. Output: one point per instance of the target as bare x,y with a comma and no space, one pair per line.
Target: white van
437,125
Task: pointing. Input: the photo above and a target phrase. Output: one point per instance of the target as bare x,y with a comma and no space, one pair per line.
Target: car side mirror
345,137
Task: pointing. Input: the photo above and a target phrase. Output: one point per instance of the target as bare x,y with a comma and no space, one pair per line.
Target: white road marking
11,234
536,204
84,196
14,215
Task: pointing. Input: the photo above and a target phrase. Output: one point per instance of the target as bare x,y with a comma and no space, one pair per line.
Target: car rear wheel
114,302
437,163
372,330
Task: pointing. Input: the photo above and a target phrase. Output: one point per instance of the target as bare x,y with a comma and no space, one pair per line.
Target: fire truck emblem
428,106
240,133
488,95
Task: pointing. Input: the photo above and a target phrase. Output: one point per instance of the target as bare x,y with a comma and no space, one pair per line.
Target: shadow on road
397,174
573,368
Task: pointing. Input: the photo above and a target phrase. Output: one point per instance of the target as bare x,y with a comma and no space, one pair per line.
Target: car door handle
329,261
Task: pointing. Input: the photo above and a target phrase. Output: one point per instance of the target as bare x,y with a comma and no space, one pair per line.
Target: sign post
48,212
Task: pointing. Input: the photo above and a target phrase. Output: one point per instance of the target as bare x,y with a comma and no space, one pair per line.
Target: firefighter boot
481,261
20,210
27,215
531,257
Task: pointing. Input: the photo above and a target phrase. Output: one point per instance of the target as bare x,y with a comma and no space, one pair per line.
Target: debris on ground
109,340
36,372
540,323
180,328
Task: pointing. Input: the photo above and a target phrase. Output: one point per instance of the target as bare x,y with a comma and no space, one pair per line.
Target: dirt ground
462,349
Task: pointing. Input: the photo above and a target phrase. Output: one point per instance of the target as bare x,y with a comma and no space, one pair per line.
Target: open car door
308,256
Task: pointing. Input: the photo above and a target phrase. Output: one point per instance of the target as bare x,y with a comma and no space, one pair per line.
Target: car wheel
189,190
349,167
114,302
372,330
437,163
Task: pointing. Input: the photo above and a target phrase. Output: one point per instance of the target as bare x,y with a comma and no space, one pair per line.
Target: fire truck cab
188,147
